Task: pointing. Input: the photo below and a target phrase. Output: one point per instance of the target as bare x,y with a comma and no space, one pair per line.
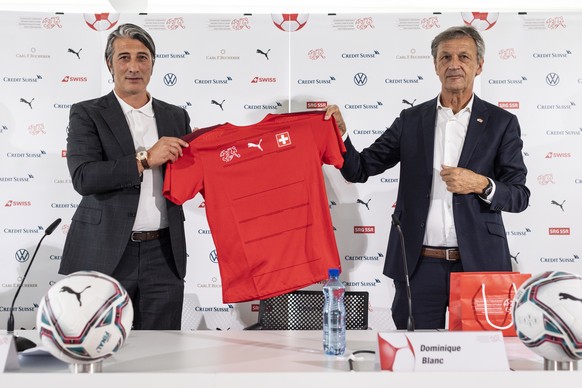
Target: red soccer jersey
265,198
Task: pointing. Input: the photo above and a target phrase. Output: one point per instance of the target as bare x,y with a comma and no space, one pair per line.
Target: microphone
23,343
410,323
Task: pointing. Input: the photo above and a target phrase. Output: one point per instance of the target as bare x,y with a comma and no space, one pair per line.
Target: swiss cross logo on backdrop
283,139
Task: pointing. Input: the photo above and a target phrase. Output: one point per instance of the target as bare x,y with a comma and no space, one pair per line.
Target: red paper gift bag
481,301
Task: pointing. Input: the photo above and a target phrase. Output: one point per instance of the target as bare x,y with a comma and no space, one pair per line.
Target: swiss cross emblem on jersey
283,139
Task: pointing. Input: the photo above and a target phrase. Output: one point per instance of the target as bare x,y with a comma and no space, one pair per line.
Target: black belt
147,236
450,254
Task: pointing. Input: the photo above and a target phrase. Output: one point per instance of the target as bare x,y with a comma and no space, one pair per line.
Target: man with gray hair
461,165
117,148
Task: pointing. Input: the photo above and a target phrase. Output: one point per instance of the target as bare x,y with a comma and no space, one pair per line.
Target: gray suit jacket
102,164
493,148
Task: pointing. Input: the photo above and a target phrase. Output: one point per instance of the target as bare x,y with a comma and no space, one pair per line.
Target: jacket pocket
87,215
496,229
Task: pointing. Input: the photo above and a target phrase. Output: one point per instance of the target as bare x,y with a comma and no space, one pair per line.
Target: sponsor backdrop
240,67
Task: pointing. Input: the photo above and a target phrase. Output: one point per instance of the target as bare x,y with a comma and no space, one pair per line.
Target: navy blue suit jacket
103,168
493,148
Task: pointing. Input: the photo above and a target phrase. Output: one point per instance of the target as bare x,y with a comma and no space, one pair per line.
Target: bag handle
487,312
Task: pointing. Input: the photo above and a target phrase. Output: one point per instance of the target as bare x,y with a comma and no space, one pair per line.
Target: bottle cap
333,272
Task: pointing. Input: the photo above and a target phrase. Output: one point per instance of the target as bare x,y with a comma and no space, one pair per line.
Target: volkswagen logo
213,256
21,255
552,79
360,79
170,79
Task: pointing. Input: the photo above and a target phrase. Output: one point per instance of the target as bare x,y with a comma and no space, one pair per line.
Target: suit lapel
115,119
475,130
163,118
428,123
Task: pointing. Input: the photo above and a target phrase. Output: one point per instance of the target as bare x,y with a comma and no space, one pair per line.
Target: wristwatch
142,156
487,190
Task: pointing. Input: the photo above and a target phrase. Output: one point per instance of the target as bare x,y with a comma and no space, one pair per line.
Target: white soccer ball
290,21
547,314
480,20
84,318
101,21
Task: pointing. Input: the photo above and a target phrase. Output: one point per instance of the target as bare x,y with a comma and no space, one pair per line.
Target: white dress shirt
151,210
450,132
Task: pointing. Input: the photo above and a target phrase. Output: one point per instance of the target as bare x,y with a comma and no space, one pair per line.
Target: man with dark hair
461,165
117,148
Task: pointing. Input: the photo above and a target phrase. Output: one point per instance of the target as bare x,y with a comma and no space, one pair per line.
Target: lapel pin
479,120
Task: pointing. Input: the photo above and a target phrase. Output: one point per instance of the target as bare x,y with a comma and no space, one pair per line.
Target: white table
276,359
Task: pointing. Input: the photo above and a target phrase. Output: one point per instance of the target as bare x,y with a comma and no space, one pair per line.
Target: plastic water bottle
334,315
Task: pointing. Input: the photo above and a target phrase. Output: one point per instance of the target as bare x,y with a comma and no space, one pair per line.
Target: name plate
8,354
442,351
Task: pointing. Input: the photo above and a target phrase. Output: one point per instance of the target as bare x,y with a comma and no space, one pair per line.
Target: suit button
132,215
422,224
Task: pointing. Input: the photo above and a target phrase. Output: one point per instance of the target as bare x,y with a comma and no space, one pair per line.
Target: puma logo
218,103
560,205
515,257
75,52
71,291
29,103
251,145
266,54
364,203
409,103
563,295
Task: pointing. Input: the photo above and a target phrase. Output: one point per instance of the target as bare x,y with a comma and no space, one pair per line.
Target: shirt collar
147,109
467,108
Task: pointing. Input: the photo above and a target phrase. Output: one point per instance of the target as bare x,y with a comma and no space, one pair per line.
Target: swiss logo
283,139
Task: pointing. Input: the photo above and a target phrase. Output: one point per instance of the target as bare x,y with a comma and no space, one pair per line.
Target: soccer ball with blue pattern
84,318
547,314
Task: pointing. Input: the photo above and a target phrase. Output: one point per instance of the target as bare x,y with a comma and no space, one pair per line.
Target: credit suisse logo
11,179
369,55
26,155
564,132
177,55
363,258
562,106
274,106
363,283
28,79
518,233
508,81
214,81
572,259
552,55
373,105
316,81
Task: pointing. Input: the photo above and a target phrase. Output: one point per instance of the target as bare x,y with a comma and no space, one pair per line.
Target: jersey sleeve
184,177
329,141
